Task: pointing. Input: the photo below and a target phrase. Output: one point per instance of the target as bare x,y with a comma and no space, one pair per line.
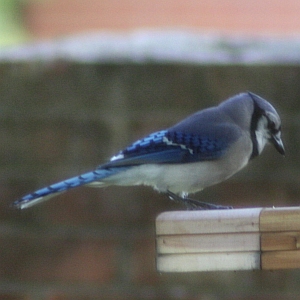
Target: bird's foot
192,204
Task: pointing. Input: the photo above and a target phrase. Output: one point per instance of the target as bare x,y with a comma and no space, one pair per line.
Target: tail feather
53,190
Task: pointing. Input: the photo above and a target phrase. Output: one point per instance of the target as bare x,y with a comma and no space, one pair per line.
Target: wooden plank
208,262
280,219
231,242
275,260
288,240
212,221
238,239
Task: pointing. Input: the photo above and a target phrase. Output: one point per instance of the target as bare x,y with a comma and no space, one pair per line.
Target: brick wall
59,119
55,18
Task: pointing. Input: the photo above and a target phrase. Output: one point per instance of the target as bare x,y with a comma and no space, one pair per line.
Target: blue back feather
173,147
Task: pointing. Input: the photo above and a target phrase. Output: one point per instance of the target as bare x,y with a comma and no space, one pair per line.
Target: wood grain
231,242
211,221
275,260
273,241
208,262
280,219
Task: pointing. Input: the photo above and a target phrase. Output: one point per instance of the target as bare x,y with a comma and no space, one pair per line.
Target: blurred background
80,80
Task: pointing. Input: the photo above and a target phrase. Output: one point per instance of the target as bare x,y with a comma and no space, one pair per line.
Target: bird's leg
192,204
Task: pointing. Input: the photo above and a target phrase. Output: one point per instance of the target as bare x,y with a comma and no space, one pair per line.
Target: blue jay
204,149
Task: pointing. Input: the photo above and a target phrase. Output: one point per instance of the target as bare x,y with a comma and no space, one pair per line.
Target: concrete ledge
173,46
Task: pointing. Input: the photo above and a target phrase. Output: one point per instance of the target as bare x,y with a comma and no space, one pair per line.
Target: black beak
277,142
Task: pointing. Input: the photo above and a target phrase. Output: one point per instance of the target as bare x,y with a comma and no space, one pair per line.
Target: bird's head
265,125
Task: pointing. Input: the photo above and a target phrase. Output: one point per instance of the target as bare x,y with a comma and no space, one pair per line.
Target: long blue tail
57,188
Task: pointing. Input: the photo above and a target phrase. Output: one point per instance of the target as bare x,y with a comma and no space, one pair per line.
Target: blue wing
170,146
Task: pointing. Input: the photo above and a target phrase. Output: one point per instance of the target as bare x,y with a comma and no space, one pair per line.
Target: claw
192,204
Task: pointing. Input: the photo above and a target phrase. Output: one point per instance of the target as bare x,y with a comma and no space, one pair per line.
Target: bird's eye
272,127
271,124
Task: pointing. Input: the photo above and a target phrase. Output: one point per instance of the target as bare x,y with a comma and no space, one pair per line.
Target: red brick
143,261
85,261
89,262
7,296
56,18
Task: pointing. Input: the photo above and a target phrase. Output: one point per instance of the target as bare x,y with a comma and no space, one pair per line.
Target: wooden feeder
233,239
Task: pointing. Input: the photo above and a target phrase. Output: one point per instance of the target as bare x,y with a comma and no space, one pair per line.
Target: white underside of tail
30,203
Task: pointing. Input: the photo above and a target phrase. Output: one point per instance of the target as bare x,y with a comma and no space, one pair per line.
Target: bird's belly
189,178
177,178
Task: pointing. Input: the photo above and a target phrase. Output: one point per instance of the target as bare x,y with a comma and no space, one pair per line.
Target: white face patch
262,133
